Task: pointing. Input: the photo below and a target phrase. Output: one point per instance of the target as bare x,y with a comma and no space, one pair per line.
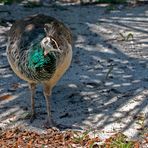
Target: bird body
39,50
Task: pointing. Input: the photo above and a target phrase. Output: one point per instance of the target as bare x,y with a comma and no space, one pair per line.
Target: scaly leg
47,94
32,87
50,123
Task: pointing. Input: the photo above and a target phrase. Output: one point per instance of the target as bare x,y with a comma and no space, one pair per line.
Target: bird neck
37,60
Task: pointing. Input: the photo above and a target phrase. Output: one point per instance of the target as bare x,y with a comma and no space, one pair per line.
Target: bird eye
54,44
45,42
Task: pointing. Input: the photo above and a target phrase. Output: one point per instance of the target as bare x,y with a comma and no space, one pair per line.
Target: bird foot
62,127
54,125
50,124
32,118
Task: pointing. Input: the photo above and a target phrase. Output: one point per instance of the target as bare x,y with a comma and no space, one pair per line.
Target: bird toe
32,118
49,123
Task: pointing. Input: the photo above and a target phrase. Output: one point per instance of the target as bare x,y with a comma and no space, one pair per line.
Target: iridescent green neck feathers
38,62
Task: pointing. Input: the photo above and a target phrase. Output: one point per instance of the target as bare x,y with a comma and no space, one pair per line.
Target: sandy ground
106,86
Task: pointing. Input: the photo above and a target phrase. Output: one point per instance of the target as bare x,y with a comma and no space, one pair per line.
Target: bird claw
54,125
62,127
50,124
32,118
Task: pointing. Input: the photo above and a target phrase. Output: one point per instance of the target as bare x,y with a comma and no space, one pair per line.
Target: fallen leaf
9,135
137,144
146,140
5,97
29,145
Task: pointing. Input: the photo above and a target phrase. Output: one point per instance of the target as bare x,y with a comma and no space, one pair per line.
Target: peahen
39,50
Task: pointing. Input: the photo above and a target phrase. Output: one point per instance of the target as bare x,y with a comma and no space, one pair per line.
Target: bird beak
46,51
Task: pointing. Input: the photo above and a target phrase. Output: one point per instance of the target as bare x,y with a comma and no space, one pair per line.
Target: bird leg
50,122
47,94
32,87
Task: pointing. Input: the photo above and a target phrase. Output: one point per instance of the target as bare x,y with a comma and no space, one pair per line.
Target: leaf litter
53,138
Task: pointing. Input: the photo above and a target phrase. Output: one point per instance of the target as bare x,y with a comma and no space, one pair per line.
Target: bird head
49,45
